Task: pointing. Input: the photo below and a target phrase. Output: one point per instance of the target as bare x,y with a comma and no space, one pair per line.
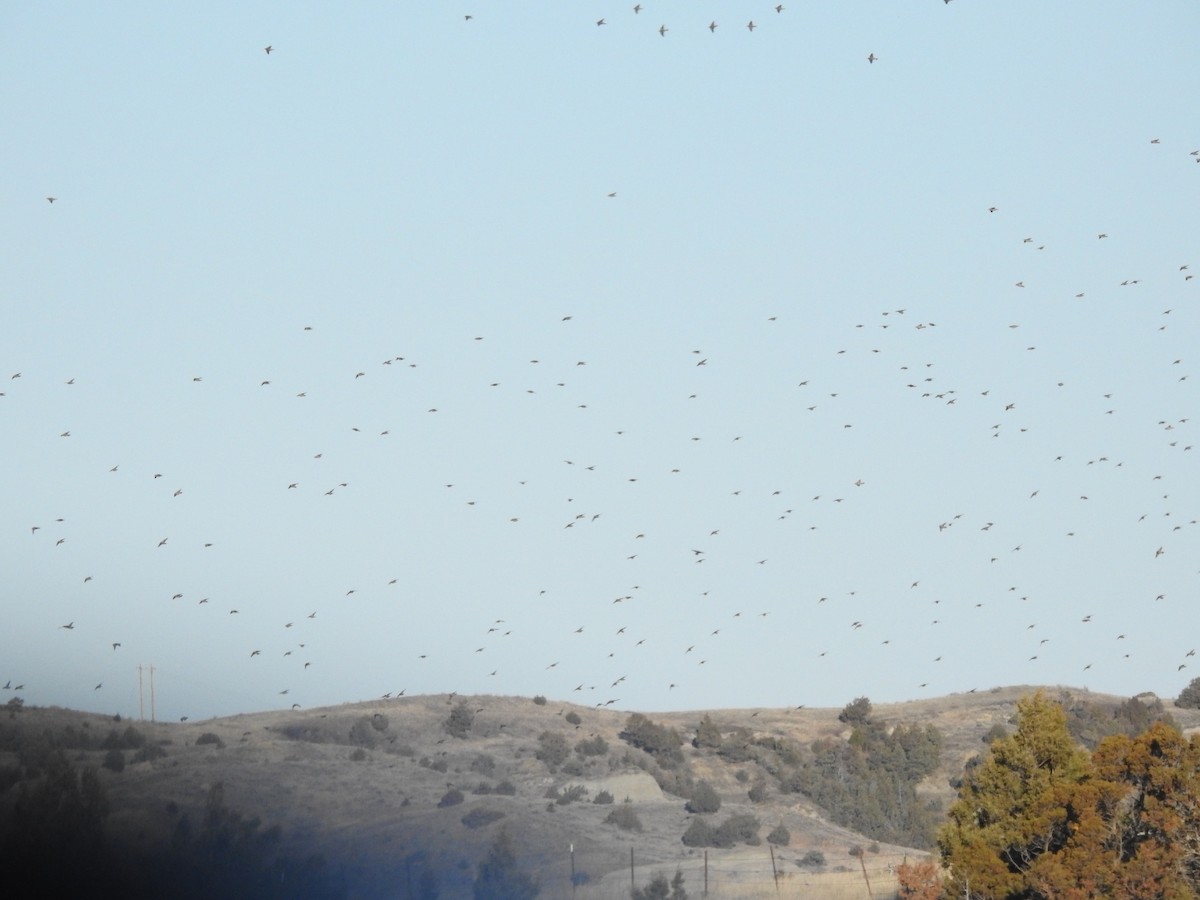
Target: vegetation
704,799
660,889
1042,818
624,817
452,797
209,738
478,818
573,717
918,881
1189,697
552,749
660,742
595,746
779,836
461,718
499,878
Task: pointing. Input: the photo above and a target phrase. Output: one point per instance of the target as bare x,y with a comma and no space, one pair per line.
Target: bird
662,30
871,58
268,49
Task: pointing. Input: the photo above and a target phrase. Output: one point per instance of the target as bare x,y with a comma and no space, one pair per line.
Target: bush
779,836
737,829
698,834
452,797
624,817
209,738
569,794
379,722
704,799
363,733
659,741
758,793
505,789
1189,697
573,718
856,712
552,749
478,818
483,764
461,718
358,754
660,889
114,760
603,798
596,746
148,752
813,859
539,700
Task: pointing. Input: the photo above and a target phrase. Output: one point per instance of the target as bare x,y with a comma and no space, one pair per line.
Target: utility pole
572,846
705,873
632,886
774,871
152,719
141,706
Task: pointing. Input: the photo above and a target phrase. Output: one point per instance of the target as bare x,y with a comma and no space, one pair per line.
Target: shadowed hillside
405,797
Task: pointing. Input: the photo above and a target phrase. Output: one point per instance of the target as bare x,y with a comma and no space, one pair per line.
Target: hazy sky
517,354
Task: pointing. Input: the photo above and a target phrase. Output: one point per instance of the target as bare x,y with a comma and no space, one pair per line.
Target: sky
528,348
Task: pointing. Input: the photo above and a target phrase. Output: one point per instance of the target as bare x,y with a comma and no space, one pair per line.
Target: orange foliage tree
1041,819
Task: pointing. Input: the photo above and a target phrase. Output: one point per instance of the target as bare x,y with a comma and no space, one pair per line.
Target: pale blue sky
400,192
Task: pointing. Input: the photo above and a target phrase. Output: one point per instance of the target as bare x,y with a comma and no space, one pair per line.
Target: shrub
552,749
739,828
114,760
698,834
460,720
452,797
813,859
358,754
602,798
758,793
659,741
660,889
506,789
573,718
856,712
539,700
595,746
379,722
569,794
704,799
477,818
483,764
148,752
363,733
209,738
779,836
624,817
1189,697
482,788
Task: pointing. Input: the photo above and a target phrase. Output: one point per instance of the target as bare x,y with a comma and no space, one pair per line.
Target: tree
499,878
1010,810
552,749
1189,697
660,889
779,835
704,799
1040,818
918,881
460,720
856,712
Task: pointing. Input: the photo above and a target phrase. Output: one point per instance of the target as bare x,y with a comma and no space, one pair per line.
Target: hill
396,804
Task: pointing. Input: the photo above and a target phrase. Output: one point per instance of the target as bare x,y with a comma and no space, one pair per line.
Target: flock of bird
644,553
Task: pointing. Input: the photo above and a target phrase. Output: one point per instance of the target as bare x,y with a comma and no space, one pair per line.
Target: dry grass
374,813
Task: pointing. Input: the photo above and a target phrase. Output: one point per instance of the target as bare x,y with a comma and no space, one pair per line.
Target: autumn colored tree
919,880
1010,810
1040,819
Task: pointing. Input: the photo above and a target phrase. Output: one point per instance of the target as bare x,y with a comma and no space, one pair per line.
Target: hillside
369,787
